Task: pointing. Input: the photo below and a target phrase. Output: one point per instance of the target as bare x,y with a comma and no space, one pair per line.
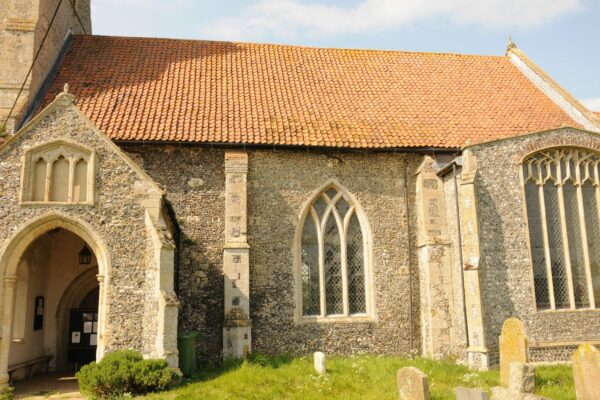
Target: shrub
125,372
6,393
153,375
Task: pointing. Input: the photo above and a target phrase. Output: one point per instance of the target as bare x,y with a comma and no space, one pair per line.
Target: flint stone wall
116,216
279,182
506,271
193,179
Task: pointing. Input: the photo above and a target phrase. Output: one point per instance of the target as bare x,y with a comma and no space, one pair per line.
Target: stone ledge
21,25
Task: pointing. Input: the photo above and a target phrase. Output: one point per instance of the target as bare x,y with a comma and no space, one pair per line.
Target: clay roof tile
203,91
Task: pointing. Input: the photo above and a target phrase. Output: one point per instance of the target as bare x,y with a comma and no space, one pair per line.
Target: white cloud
592,104
293,18
146,4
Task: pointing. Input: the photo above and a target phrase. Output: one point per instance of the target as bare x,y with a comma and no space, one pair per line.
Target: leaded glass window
562,196
332,257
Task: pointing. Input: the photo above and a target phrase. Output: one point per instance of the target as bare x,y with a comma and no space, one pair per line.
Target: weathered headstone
319,362
586,372
412,384
463,393
521,384
513,347
521,378
502,393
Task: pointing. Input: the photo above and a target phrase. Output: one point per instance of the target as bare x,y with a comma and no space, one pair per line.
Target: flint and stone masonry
208,238
237,324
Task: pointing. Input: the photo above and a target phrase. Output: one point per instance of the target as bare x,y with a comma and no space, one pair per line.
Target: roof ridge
389,51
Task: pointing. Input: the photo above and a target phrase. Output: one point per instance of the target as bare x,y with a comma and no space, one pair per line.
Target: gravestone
521,378
319,362
412,384
521,384
513,347
586,372
463,393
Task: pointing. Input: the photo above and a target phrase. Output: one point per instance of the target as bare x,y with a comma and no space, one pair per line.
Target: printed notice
87,327
95,327
93,339
75,337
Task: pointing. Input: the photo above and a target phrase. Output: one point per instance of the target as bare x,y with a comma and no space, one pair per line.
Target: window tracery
58,172
333,258
562,197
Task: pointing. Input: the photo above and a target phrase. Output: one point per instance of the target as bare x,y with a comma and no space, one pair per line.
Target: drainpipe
460,252
409,254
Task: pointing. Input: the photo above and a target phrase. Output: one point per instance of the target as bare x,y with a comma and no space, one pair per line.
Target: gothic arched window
562,197
333,258
58,172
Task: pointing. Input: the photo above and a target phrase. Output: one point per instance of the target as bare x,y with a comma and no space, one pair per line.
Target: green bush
153,375
125,372
6,393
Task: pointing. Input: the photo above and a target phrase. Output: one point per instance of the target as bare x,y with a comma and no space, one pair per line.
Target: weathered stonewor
513,347
521,384
521,378
463,393
412,384
586,372
319,363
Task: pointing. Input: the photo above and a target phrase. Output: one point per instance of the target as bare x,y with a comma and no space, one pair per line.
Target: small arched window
333,258
562,198
58,172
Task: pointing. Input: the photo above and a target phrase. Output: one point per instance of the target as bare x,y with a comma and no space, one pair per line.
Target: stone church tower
23,26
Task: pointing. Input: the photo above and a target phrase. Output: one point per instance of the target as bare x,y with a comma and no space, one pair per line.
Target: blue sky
562,36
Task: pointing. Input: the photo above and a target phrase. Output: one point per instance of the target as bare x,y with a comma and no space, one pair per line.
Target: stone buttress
236,270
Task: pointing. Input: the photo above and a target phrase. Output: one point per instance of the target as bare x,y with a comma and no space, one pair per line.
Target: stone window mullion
584,236
564,232
343,248
597,186
546,240
321,234
72,163
48,188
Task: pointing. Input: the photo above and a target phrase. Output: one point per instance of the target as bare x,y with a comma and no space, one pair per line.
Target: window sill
359,318
54,204
568,310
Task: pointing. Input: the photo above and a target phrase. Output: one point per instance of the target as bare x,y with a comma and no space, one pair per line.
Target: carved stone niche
58,173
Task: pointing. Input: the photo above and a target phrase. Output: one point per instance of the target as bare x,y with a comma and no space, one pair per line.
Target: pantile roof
139,89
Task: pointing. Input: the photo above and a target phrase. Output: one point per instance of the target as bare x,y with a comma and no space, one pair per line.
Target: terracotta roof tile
202,91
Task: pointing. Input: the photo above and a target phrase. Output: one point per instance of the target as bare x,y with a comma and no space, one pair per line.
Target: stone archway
11,253
73,296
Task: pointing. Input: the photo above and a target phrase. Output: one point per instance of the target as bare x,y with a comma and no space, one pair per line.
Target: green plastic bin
186,344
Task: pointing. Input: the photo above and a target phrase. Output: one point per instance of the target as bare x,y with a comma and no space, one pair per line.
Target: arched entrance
43,281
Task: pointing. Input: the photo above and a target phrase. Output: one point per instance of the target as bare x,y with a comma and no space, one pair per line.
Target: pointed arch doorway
43,280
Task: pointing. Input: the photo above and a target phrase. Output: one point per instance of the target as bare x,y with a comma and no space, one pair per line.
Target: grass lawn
362,377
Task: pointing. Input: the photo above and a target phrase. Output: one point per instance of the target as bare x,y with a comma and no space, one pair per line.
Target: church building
284,199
